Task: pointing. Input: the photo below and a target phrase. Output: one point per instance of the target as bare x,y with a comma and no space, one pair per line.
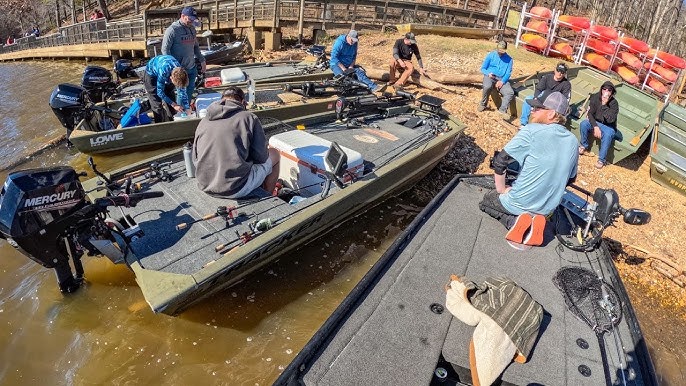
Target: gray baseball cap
353,35
555,101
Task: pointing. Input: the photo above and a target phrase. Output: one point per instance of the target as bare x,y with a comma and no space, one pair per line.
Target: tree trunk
103,7
432,84
58,21
73,11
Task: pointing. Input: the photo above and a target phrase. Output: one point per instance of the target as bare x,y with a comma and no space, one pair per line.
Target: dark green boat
337,165
638,110
668,149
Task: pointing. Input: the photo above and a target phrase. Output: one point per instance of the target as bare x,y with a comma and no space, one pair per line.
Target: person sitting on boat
602,120
343,57
497,68
403,50
557,81
230,150
546,153
180,41
164,77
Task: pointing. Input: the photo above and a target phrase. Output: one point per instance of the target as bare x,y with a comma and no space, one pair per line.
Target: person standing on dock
601,120
164,77
344,56
497,68
230,151
546,152
403,50
180,41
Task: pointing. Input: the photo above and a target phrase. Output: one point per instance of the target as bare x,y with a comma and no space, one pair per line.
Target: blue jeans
192,74
359,73
606,137
506,91
526,111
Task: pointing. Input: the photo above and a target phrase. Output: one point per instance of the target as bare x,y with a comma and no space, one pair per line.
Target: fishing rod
228,213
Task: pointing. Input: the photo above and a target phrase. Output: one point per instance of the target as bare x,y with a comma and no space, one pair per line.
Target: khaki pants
406,72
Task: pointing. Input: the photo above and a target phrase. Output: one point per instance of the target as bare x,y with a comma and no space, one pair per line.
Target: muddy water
105,333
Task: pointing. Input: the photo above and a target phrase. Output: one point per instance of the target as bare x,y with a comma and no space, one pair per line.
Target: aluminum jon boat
184,245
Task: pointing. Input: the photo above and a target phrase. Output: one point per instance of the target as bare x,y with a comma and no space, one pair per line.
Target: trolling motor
386,105
45,215
345,85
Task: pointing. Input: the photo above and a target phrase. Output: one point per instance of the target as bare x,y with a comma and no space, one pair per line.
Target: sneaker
381,89
481,108
600,164
582,150
535,236
521,225
506,116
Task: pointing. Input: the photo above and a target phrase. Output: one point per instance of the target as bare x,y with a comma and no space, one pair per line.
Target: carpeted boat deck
392,336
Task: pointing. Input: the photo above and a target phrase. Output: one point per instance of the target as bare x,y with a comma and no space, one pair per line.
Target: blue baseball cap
190,12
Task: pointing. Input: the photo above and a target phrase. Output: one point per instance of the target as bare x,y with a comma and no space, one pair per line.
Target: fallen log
416,78
434,79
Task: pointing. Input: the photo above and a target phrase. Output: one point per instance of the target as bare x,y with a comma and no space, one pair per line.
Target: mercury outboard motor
124,69
98,83
45,215
68,102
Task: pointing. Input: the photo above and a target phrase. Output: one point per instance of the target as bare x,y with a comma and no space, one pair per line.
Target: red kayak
626,73
540,26
597,61
535,41
663,72
601,47
606,33
577,23
657,85
672,60
630,60
563,48
541,12
635,44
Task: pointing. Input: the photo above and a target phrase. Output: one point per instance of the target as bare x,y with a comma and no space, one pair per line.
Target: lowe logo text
103,139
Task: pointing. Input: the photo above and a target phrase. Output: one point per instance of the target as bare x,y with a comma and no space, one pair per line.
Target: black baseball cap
561,68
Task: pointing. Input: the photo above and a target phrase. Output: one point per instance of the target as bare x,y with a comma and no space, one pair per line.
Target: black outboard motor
124,69
33,204
68,102
98,83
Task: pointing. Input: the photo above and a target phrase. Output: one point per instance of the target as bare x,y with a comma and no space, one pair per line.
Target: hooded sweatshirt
605,114
228,141
179,41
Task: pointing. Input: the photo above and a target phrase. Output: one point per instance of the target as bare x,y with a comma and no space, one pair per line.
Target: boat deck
386,333
188,250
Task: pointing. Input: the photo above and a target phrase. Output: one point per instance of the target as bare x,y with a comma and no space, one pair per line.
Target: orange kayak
538,26
601,47
630,60
657,85
535,41
541,12
626,73
577,23
597,61
635,44
605,32
663,72
563,48
670,59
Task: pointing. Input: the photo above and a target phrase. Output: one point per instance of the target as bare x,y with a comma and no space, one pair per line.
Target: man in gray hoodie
179,41
230,150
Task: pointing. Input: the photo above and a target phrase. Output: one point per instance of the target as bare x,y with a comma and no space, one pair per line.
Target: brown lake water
105,332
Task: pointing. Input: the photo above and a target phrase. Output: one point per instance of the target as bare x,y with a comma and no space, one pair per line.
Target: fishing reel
592,218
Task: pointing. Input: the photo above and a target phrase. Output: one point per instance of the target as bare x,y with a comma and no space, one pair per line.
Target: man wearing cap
602,120
230,151
179,41
546,153
497,68
557,81
343,57
402,60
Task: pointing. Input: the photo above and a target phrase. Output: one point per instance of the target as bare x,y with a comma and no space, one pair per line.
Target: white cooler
302,160
232,75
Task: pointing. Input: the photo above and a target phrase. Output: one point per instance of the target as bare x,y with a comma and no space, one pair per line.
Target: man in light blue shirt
497,68
343,57
547,155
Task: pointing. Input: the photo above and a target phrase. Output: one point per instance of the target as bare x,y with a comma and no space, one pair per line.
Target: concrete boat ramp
390,330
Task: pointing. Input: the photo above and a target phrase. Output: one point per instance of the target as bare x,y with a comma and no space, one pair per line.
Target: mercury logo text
49,199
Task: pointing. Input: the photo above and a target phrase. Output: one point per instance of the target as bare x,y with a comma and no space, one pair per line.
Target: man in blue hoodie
497,68
344,55
179,41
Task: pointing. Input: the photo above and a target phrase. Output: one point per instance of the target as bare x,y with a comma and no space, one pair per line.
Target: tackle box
302,160
213,81
204,100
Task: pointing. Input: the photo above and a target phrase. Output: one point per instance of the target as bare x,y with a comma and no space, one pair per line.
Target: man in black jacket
602,121
557,81
402,60
230,150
